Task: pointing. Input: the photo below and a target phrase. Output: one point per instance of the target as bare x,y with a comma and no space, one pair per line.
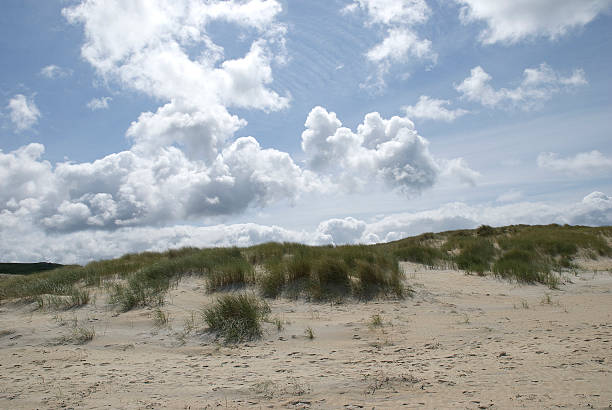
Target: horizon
243,122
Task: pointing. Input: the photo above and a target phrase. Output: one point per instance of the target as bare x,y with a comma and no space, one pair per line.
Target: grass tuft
236,317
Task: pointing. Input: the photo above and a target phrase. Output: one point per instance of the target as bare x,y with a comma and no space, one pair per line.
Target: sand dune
460,341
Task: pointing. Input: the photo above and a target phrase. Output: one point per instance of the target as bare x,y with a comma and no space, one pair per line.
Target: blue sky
132,126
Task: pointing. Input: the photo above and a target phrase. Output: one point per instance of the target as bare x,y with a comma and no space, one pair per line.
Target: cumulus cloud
184,162
390,151
53,72
186,166
396,19
584,163
201,133
23,112
21,240
99,103
538,85
510,21
156,61
340,231
433,109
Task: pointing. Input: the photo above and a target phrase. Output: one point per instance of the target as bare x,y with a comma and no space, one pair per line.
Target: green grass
475,255
423,254
236,317
528,254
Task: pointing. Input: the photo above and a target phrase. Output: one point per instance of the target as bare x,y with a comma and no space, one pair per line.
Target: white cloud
23,112
433,109
53,72
21,240
392,11
157,183
99,103
184,162
459,169
510,196
510,21
201,133
389,151
584,163
340,231
595,210
401,43
155,60
538,85
398,46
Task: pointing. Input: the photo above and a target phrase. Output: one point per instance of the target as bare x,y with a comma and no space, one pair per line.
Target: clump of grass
309,333
332,273
419,253
279,324
230,274
329,279
522,265
374,279
236,317
376,321
78,335
83,334
72,298
476,255
546,299
161,318
271,284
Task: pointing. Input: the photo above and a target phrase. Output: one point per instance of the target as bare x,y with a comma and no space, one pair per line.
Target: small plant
236,318
190,323
79,335
546,299
524,304
279,324
309,333
376,321
83,334
161,318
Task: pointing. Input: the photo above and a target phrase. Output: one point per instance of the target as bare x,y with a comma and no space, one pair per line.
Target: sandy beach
460,341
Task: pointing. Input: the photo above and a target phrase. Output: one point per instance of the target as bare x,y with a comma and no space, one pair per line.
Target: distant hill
27,268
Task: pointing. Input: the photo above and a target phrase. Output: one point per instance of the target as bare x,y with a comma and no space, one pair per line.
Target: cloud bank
22,241
583,163
511,21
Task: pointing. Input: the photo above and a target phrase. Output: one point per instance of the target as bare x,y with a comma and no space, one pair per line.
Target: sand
461,341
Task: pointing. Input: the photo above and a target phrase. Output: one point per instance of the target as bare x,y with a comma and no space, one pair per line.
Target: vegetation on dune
236,317
529,254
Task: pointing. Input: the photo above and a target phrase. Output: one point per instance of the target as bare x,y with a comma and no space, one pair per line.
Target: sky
156,124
